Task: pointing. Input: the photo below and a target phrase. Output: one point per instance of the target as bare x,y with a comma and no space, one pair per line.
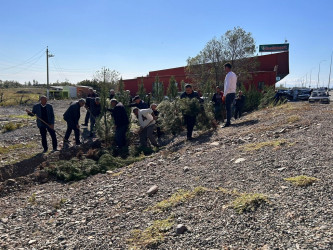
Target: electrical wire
29,60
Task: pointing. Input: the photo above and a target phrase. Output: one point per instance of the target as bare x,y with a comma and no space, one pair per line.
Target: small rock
281,169
151,164
284,187
215,143
180,229
32,242
186,169
240,160
4,220
152,190
109,172
11,182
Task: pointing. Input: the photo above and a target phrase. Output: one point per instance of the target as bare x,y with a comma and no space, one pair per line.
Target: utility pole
319,72
329,76
47,71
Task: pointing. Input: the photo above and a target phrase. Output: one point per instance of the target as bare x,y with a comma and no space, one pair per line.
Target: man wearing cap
121,122
44,111
147,126
95,111
137,102
72,117
229,91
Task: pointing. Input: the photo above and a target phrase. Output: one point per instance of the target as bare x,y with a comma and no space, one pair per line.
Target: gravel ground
103,211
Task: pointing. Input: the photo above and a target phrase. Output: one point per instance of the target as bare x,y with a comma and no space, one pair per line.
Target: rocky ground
197,183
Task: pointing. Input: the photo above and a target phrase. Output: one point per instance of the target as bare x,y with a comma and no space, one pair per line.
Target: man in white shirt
229,91
147,126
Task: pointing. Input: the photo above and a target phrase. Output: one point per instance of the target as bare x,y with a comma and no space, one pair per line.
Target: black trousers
86,119
190,122
229,99
43,130
238,112
120,136
71,127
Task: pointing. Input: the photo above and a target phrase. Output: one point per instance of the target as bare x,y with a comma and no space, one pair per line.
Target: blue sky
135,37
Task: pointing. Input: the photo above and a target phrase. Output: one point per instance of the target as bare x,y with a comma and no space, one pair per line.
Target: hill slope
203,185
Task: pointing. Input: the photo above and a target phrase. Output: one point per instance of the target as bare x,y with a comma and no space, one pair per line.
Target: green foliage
179,197
170,116
252,98
91,83
141,90
172,90
151,236
109,162
267,99
205,117
182,85
74,169
189,106
302,180
158,90
10,126
248,202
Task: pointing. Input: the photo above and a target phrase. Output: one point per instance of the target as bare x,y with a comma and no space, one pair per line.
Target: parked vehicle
319,96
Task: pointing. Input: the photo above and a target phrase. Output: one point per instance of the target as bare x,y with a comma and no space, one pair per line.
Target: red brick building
271,67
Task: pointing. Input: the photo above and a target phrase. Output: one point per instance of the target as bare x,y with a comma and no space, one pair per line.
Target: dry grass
293,118
248,202
10,148
177,198
302,180
151,236
275,144
17,96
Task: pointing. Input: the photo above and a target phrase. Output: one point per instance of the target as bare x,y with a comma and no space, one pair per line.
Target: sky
134,37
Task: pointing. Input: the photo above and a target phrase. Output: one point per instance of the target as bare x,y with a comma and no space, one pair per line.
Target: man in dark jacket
137,102
190,119
72,117
44,111
217,100
90,95
121,122
95,111
239,104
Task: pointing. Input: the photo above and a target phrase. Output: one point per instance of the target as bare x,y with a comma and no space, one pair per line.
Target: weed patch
151,236
32,199
177,198
7,149
293,118
302,180
248,202
10,126
257,146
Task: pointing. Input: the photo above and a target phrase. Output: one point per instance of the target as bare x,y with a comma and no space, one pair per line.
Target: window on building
261,85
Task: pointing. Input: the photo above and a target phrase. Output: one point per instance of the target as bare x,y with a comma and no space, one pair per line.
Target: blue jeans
229,99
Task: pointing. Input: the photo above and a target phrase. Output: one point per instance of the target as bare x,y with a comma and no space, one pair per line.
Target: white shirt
145,118
230,83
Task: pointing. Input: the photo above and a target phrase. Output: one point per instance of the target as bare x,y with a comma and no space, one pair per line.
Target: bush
10,126
74,169
267,98
253,98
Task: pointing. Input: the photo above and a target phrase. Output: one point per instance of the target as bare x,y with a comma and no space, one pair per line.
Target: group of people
146,115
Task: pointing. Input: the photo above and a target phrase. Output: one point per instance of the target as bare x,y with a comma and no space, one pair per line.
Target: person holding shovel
72,117
147,126
45,121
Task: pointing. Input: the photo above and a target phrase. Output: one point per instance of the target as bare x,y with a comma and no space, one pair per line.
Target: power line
29,60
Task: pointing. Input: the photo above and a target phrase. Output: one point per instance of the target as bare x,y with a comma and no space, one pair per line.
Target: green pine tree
172,90
141,90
